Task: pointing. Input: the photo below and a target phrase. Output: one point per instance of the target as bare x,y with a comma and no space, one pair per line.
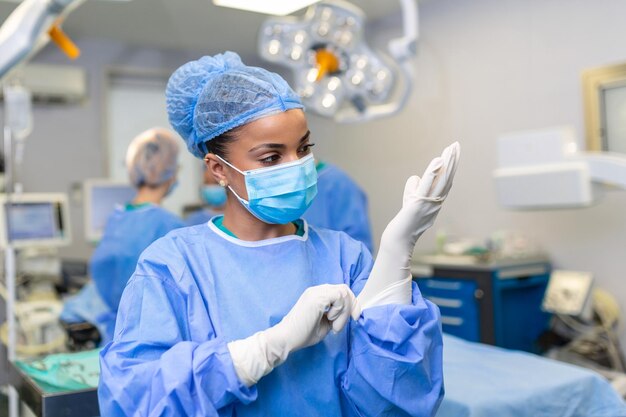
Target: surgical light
336,73
273,7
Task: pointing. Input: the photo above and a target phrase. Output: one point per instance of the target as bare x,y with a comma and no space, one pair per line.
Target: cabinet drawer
457,304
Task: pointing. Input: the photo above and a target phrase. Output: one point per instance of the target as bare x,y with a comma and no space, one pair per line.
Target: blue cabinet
457,303
497,303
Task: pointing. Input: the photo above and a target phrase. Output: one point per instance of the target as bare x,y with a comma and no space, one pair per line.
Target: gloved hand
318,309
390,279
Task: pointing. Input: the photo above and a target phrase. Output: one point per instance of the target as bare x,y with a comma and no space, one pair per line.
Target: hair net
151,158
215,94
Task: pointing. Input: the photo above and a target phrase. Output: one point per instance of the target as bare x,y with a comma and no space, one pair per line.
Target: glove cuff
254,357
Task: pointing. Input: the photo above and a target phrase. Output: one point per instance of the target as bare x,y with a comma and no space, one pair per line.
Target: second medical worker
249,314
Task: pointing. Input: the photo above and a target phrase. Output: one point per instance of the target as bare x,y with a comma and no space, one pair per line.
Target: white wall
486,67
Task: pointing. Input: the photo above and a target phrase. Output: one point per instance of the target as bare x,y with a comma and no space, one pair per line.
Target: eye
306,148
269,160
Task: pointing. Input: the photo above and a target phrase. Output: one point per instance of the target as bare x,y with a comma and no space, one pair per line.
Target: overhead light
337,74
273,7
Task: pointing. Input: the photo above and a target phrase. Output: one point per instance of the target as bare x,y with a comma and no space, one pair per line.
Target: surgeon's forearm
390,279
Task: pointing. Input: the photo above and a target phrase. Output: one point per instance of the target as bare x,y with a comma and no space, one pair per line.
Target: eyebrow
280,145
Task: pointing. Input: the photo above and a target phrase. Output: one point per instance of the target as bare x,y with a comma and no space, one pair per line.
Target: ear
216,167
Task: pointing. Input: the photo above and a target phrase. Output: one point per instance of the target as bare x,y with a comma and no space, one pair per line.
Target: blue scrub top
199,288
340,205
200,216
128,231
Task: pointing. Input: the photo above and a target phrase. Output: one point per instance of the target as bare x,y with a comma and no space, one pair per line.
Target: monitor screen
34,220
103,200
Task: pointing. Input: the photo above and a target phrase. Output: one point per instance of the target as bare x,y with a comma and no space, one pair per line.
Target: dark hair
219,144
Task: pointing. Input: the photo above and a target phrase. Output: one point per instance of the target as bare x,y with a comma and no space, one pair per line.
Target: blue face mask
282,193
214,195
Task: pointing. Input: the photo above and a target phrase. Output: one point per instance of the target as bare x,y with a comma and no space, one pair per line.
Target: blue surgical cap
151,158
215,94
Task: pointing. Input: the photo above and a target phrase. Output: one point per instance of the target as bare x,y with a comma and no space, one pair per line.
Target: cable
597,341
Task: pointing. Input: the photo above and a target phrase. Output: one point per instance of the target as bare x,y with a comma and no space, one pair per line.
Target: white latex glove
390,279
318,310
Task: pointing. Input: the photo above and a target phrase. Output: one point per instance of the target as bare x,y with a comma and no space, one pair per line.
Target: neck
245,226
152,195
217,209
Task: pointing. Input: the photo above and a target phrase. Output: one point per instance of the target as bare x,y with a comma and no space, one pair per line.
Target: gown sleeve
152,368
395,355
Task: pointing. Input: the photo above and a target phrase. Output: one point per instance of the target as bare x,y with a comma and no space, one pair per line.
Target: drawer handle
443,285
451,321
446,302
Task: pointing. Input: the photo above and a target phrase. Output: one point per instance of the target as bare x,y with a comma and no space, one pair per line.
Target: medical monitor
34,220
101,198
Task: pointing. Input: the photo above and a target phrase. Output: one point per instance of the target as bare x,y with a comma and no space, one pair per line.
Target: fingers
356,310
338,300
452,165
440,181
443,180
425,184
410,188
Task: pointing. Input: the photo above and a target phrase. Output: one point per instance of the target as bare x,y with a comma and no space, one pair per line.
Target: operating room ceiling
187,24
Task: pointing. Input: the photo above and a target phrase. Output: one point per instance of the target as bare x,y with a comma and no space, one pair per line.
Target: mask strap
229,164
244,202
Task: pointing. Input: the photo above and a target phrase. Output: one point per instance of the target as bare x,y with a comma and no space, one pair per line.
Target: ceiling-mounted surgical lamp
336,73
273,7
30,26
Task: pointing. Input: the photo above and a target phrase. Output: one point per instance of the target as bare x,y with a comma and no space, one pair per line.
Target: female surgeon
250,313
151,162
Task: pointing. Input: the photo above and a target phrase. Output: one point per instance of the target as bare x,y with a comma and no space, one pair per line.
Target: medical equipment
496,301
35,224
543,169
31,25
569,292
589,339
335,71
50,400
39,331
100,197
273,7
390,280
34,220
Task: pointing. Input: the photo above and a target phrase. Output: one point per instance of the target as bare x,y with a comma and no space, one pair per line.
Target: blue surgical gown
340,205
200,216
198,288
127,233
